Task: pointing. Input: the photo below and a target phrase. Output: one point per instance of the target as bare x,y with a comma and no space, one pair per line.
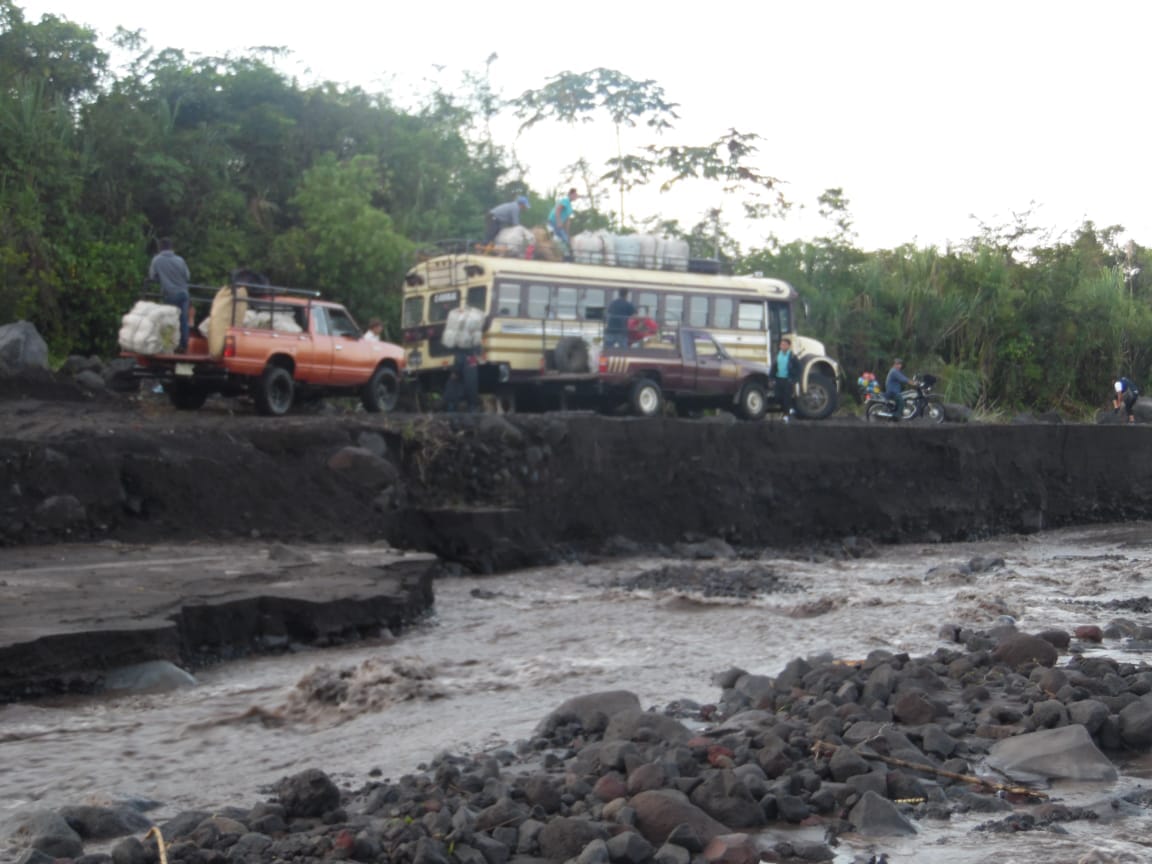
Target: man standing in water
171,271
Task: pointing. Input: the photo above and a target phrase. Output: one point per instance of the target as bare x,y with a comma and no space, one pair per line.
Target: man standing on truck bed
616,320
171,271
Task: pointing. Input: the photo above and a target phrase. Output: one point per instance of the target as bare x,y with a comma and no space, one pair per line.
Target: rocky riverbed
827,757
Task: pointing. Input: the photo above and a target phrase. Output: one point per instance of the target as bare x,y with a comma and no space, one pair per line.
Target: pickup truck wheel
275,391
381,392
819,400
647,400
752,404
186,397
571,354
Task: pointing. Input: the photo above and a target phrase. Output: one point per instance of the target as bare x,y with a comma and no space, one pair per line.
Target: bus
543,323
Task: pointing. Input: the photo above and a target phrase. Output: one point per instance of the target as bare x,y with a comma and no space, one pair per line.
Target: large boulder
661,811
591,711
874,816
1067,752
22,347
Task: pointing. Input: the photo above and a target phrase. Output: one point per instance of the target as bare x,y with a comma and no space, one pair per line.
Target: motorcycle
918,401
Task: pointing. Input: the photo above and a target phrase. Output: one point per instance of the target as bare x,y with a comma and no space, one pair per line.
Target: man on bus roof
560,219
503,216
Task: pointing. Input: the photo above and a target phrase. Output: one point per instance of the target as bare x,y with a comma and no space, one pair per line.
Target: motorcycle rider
894,386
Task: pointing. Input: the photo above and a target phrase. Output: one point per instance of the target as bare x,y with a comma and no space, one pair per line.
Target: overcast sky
926,114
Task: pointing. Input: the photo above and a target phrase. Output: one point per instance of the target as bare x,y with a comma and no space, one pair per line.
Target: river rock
638,725
731,849
565,837
1067,752
363,467
874,816
22,346
308,794
50,834
725,797
105,823
660,812
1024,650
591,711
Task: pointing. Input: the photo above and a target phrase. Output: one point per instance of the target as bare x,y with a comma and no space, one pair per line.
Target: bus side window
751,315
673,309
722,313
645,302
565,302
540,301
591,298
478,297
698,311
508,299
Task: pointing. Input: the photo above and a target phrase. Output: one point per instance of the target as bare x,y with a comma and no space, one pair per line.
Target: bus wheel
571,354
819,400
647,400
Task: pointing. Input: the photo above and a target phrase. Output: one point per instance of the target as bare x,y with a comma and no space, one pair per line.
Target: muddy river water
502,651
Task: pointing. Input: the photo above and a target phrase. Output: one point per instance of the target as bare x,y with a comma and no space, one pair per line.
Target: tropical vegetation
328,186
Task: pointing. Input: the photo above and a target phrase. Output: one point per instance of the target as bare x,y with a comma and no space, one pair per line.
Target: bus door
752,340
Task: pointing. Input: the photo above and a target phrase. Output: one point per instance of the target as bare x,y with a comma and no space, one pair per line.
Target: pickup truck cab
275,345
687,367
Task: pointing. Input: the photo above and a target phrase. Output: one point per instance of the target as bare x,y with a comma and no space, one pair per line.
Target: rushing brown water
502,651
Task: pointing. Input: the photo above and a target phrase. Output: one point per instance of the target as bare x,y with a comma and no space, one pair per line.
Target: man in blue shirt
894,385
171,271
560,219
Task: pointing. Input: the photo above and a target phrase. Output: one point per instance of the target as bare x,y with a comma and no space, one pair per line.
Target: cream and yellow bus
544,320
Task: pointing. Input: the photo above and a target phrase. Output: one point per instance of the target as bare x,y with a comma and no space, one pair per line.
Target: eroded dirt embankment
497,492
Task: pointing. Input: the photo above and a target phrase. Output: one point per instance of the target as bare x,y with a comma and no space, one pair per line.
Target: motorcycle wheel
877,411
934,411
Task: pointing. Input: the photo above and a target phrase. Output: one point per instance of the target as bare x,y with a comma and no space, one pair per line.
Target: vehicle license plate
184,369
415,359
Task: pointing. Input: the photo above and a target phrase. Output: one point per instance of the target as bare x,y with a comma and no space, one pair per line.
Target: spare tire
571,354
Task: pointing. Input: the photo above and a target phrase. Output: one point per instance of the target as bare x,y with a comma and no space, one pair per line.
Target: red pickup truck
687,366
273,344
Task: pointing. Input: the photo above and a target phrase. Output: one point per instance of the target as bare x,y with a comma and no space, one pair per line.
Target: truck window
508,299
413,312
751,315
697,311
478,297
442,303
539,301
781,318
722,313
320,315
340,323
705,347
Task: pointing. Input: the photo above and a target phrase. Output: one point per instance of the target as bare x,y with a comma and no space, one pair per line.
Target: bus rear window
413,313
442,303
646,303
673,309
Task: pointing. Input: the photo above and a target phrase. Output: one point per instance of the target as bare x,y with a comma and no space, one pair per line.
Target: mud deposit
494,492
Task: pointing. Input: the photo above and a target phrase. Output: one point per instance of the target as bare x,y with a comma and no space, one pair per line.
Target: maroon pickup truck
689,368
